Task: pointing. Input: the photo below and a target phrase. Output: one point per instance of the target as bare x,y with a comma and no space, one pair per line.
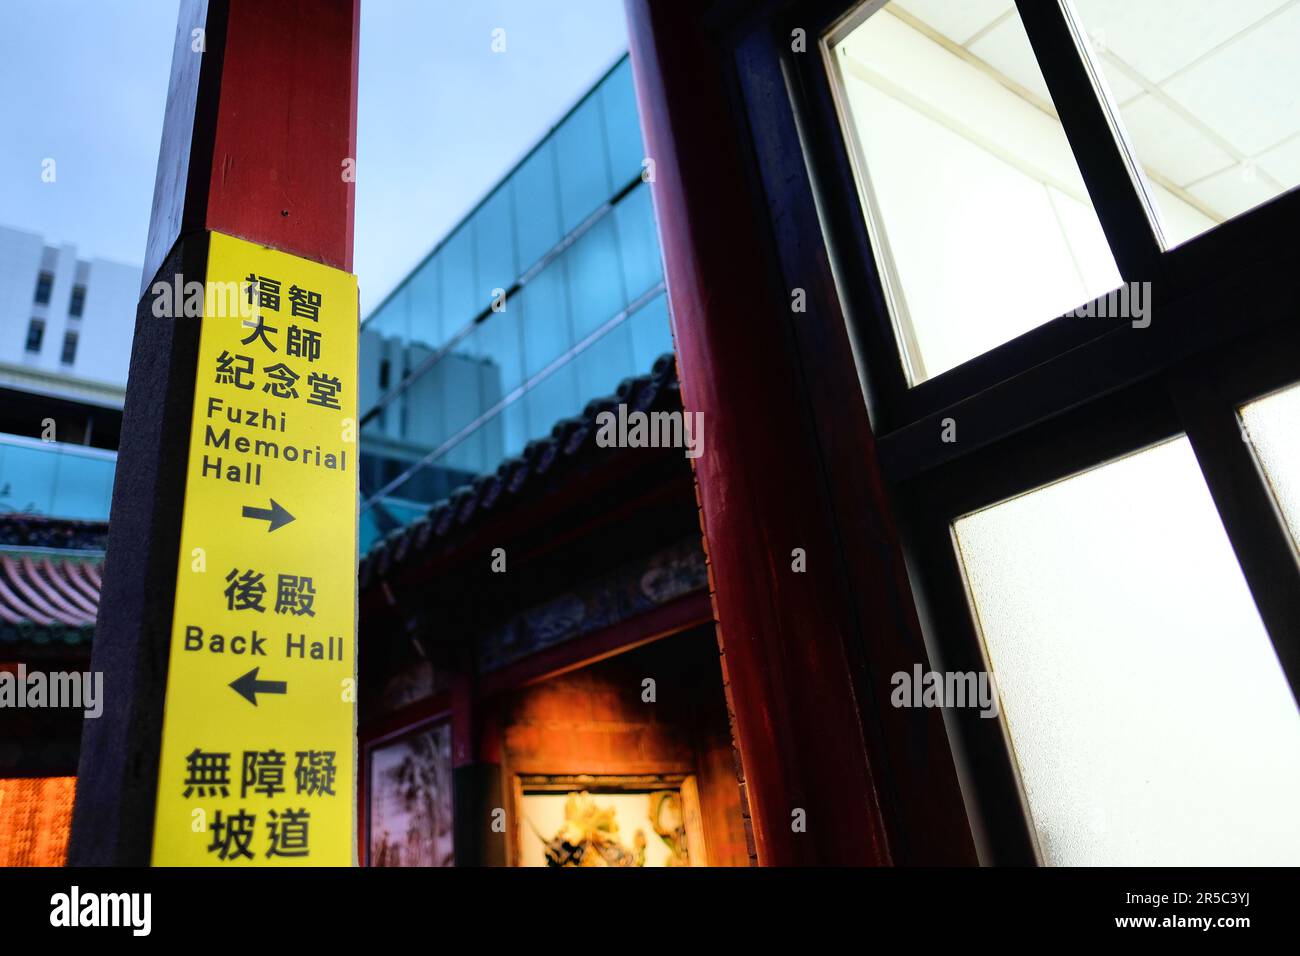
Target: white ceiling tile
958,20
1233,191
1249,91
1122,88
1170,145
910,67
1181,220
1006,48
1160,37
1283,163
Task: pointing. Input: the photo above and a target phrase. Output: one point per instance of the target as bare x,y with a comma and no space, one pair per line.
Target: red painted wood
363,794
464,719
400,721
783,634
690,611
286,121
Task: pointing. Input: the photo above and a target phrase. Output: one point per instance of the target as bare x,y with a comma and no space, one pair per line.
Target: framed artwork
409,803
613,820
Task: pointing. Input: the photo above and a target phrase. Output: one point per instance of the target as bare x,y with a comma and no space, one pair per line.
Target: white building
65,323
66,326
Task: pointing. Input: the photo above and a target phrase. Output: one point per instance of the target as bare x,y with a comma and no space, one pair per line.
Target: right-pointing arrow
249,686
277,515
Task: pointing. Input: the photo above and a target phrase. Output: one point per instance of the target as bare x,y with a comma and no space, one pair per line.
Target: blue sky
441,117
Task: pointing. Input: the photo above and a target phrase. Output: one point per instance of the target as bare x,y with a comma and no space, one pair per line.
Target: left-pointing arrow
249,686
277,515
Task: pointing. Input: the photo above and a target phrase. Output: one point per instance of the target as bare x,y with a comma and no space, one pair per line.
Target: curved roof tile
66,588
24,577
48,598
568,439
78,573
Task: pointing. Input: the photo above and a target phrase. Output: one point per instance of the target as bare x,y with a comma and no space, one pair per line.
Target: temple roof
572,442
51,569
50,577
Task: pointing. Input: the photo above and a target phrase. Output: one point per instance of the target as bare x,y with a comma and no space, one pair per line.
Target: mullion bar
999,812
1113,181
1250,516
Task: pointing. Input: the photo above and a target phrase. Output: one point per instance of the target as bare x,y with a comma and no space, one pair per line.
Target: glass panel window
595,278
652,334
458,282
60,481
1149,716
623,129
980,221
84,487
1209,97
494,245
638,241
77,305
605,363
552,399
544,303
466,456
423,422
1272,425
69,348
44,286
537,205
392,319
498,344
580,159
429,327
35,335
460,375
510,432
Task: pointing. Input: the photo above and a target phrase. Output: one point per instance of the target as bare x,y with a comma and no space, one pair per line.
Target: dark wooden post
788,464
259,131
477,793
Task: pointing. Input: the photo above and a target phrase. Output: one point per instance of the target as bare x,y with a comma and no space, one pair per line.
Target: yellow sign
258,746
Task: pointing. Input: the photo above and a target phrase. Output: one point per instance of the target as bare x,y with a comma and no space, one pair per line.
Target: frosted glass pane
1150,719
1273,426
979,218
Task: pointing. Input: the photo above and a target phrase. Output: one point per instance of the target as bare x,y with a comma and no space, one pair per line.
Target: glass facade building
546,296
54,479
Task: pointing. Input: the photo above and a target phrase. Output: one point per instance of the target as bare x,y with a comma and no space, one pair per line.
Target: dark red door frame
789,460
783,634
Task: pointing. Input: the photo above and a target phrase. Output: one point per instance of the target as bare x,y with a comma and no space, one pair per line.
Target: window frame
68,354
44,290
35,340
1256,241
1064,397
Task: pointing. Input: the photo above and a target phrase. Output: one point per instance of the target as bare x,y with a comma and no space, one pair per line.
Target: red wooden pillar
477,790
784,635
259,131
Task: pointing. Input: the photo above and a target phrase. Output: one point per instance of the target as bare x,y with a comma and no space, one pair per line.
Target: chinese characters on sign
258,755
293,594
287,829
